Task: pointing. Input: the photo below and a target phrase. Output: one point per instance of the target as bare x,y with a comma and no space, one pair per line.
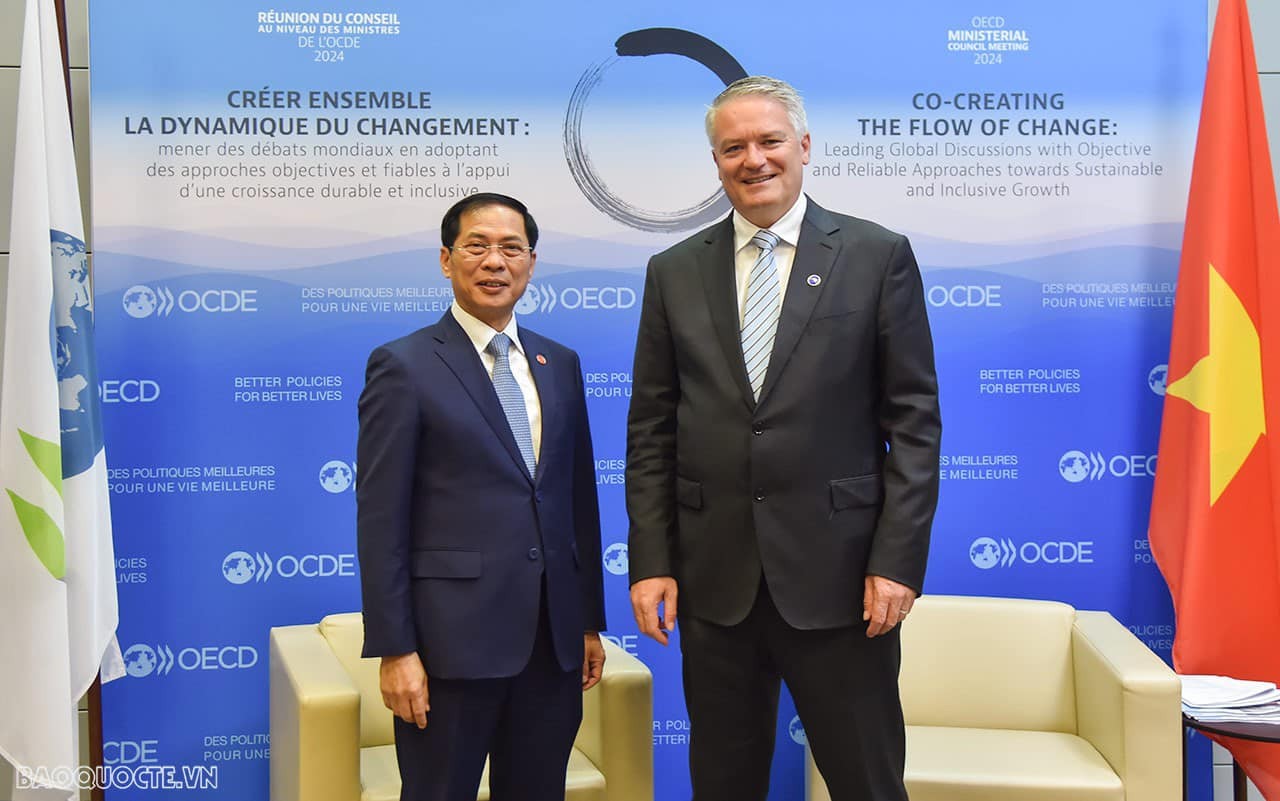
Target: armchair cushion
959,764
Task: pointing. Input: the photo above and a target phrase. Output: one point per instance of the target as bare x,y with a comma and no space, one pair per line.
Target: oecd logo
965,296
142,301
615,559
130,752
72,320
129,390
142,660
533,299
986,553
796,729
337,476
241,567
543,298
1157,379
1077,466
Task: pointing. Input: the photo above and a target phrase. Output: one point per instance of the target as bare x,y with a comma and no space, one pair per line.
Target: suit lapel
717,269
460,355
815,256
544,380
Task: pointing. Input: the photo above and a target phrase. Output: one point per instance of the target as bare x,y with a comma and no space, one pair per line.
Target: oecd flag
58,609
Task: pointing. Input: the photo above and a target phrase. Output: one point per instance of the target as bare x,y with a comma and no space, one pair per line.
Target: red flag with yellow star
1215,514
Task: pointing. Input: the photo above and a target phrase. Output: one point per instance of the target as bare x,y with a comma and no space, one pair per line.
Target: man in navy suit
479,528
782,464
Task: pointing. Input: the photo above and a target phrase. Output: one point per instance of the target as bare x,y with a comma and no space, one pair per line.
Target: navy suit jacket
454,534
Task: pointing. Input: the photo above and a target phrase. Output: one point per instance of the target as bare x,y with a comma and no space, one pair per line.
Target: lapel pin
814,279
541,359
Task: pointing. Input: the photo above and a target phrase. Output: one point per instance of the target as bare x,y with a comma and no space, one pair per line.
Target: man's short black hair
452,218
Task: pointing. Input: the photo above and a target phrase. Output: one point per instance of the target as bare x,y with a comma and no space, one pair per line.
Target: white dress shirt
480,335
784,253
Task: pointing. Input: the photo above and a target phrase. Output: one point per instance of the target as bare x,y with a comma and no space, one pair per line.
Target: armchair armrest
617,726
1128,706
315,720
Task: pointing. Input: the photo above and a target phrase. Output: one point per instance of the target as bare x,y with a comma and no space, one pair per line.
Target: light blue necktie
512,399
760,317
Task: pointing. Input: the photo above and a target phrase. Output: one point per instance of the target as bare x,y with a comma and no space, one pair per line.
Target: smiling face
489,286
760,157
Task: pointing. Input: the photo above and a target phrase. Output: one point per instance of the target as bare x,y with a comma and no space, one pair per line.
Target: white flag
58,609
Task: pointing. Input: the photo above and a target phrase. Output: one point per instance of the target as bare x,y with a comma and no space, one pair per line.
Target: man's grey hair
762,86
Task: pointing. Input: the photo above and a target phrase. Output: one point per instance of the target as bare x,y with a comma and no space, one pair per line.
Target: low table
1258,732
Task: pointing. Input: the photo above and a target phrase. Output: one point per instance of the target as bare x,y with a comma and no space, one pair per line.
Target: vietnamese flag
1215,513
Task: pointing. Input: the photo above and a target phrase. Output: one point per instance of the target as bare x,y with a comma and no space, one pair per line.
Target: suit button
759,496
537,497
533,554
757,429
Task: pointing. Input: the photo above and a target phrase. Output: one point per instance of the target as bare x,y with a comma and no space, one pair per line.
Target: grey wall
1266,34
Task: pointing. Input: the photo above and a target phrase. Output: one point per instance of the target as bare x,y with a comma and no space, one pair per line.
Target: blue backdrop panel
267,190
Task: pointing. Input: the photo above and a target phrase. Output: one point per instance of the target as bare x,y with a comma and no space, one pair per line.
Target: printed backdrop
267,188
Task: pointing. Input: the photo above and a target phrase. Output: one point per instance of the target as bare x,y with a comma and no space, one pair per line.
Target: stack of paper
1219,699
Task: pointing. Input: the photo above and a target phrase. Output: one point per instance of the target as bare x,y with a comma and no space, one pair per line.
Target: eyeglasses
476,250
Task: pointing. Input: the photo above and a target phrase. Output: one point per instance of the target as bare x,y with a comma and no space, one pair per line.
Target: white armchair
1018,700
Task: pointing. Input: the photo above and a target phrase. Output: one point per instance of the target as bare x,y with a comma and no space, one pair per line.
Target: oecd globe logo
79,417
139,660
984,553
140,301
615,559
336,476
1157,379
796,729
238,567
528,302
1074,466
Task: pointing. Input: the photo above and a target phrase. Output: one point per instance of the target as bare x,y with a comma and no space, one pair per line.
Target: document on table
1220,699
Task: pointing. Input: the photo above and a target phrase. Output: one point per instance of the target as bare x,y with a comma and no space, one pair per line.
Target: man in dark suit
479,529
782,464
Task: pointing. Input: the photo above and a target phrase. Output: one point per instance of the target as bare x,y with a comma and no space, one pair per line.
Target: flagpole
93,708
60,10
93,705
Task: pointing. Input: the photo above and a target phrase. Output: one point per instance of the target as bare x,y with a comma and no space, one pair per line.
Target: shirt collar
480,333
787,227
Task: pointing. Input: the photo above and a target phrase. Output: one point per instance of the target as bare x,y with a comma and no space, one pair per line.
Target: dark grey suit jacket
833,475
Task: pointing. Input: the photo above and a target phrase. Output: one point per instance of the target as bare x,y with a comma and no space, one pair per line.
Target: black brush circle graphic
646,42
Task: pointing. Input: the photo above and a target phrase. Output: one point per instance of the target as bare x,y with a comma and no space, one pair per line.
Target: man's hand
404,687
646,594
885,604
592,660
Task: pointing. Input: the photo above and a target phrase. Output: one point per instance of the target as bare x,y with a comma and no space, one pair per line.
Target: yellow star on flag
1227,385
